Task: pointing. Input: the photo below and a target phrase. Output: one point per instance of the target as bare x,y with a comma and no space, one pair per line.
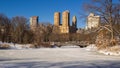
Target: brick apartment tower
65,26
65,22
33,22
57,19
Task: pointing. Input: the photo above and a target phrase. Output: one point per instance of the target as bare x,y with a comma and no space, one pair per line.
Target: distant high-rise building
74,25
65,18
93,21
74,21
58,27
33,22
65,26
56,18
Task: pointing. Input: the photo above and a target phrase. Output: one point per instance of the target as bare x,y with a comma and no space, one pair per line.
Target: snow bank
70,46
109,52
17,46
115,50
91,47
21,46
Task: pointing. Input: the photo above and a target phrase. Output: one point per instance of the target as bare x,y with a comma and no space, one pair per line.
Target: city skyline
44,9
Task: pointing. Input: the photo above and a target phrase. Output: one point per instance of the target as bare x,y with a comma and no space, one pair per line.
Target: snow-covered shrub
4,46
104,41
32,46
106,45
41,44
114,50
45,44
91,47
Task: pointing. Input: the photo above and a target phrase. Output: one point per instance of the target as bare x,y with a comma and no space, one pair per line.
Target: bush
115,48
104,41
4,46
32,46
45,44
41,44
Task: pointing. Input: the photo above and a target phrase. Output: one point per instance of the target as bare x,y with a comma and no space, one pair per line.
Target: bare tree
4,28
19,27
42,33
108,11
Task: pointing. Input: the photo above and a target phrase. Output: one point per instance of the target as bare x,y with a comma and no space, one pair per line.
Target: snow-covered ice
56,58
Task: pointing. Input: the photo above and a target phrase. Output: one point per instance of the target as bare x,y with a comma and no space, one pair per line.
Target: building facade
65,26
57,26
93,21
33,22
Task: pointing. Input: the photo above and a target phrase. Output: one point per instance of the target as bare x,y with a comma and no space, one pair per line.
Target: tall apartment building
93,21
33,22
65,26
58,27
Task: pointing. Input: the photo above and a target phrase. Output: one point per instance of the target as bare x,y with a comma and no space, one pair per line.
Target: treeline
44,33
17,30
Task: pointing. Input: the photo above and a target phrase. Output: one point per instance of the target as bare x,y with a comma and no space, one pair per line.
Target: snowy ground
56,58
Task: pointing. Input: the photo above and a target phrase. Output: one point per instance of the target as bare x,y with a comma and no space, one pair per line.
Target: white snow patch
91,47
70,46
17,46
109,52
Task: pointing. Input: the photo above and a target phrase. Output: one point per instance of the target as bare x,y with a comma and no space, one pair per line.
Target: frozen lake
56,58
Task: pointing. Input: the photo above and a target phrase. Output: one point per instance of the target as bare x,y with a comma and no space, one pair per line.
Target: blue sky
43,8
